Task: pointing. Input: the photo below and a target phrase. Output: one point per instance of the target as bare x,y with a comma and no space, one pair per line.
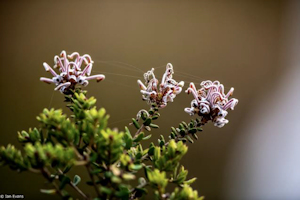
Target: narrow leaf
147,137
48,191
139,137
76,179
136,124
147,122
153,126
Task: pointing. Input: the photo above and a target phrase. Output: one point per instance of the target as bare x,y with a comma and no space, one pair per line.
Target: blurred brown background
235,42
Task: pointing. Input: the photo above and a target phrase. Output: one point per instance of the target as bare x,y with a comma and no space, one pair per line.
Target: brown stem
139,130
81,158
93,180
78,190
34,170
143,126
47,175
75,187
79,143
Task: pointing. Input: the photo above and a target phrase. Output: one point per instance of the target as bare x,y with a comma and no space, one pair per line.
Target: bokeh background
250,45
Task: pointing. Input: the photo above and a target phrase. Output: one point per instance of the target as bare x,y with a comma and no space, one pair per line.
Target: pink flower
162,93
73,69
210,102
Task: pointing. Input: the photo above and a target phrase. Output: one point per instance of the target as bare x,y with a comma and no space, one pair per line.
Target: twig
47,175
139,130
78,190
34,170
75,187
77,153
93,180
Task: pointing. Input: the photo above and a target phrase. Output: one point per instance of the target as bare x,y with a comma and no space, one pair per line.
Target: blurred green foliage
112,158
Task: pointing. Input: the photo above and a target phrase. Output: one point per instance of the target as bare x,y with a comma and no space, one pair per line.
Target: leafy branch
114,159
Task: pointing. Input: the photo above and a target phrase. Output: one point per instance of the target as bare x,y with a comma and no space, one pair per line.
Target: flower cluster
73,69
211,103
163,93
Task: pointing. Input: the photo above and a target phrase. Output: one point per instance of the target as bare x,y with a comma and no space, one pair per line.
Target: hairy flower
211,103
160,94
73,69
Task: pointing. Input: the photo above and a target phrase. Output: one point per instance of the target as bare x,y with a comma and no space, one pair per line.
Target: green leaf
127,132
191,124
162,138
151,150
147,122
173,136
199,129
67,169
128,176
96,171
182,132
138,155
139,137
136,124
147,128
154,117
147,137
189,139
144,115
193,130
151,112
136,167
64,180
127,138
146,170
181,126
173,130
105,190
185,125
189,182
76,179
116,179
161,143
93,157
123,193
195,136
153,125
65,195
48,191
108,174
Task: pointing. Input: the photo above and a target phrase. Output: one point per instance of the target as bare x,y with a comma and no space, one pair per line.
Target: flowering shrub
111,157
